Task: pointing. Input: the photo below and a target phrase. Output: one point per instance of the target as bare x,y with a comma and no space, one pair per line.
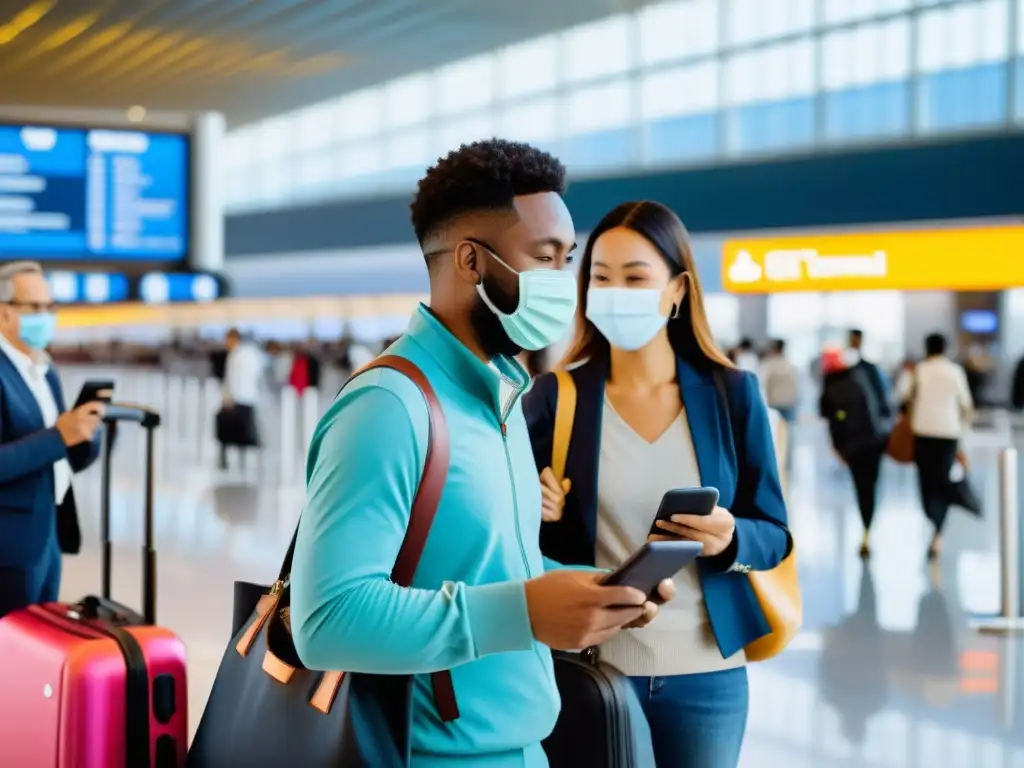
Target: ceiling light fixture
136,114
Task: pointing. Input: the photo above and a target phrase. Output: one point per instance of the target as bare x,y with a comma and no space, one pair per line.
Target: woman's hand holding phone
553,495
714,531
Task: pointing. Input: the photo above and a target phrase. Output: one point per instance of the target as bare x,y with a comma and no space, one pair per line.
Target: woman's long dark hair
688,330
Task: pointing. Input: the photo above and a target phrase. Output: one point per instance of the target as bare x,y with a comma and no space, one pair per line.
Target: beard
488,328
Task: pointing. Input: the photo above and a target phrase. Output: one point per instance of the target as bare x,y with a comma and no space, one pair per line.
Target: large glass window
680,91
678,109
752,20
875,53
842,11
464,130
598,107
679,29
407,101
315,129
962,59
595,121
465,85
276,138
360,114
651,87
535,120
965,35
530,67
598,49
864,74
410,148
771,74
360,159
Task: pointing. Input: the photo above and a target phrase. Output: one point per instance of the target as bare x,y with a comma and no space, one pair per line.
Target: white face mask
628,317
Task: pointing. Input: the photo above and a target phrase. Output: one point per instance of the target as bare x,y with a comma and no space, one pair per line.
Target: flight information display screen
93,194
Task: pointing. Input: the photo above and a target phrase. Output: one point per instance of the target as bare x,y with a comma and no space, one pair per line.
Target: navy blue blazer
748,485
29,517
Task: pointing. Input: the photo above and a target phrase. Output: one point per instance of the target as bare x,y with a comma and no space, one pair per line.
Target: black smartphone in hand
684,501
96,391
654,562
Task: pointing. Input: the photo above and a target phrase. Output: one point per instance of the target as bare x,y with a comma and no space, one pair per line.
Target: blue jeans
697,721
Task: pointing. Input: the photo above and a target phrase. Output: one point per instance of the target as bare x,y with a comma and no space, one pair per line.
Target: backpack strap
565,415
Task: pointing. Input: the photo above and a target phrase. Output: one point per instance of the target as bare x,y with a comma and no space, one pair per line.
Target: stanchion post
1010,619
289,429
1009,502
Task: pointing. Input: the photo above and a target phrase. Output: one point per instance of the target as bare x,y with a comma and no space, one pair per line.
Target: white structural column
207,192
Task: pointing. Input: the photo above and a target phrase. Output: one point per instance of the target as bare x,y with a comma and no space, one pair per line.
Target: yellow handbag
565,414
777,590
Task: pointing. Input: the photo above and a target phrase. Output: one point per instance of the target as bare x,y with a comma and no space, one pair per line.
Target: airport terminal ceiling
249,59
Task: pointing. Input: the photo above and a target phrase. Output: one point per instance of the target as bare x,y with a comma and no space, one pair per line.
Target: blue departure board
93,194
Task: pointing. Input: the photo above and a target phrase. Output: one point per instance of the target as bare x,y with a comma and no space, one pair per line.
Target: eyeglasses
33,307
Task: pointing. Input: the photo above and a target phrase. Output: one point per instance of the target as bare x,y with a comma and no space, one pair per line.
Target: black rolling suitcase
602,724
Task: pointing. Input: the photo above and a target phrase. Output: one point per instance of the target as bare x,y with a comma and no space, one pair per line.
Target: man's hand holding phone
79,425
571,610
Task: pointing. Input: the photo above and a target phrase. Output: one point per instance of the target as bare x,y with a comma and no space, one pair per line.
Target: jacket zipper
515,499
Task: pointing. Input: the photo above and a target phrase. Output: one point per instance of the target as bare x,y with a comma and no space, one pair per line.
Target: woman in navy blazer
660,407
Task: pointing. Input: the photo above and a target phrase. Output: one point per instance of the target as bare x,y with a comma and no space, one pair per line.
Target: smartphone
685,501
96,391
654,562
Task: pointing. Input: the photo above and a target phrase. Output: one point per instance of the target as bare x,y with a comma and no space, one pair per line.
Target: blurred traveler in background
858,421
306,368
1017,387
240,394
650,418
978,368
497,237
780,382
41,445
872,373
279,365
745,356
359,354
939,400
901,382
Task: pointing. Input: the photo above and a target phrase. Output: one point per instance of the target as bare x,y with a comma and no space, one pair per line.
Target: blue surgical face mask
627,317
37,330
547,305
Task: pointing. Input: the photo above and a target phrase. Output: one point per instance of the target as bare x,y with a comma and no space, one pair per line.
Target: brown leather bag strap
428,495
435,472
424,508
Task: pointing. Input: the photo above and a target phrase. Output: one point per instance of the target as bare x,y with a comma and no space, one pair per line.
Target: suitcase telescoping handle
149,420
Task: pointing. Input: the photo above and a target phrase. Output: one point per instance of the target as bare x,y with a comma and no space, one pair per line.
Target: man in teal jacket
484,603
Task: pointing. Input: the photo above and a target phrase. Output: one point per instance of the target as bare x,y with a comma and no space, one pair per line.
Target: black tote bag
267,710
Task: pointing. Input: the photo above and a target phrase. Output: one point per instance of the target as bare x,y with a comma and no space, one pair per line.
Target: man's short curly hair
482,176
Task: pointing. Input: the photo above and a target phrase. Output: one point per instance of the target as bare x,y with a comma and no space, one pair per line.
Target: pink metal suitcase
94,684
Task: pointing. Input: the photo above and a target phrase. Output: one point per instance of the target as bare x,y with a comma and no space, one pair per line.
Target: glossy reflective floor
886,673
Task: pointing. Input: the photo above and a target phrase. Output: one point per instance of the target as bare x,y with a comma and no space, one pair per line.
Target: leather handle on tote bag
424,508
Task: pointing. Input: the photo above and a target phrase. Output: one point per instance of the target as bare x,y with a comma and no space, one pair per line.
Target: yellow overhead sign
975,259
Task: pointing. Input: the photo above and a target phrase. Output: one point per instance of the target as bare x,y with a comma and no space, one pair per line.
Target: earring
675,311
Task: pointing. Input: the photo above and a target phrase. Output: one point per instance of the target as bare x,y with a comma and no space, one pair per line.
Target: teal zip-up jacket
466,611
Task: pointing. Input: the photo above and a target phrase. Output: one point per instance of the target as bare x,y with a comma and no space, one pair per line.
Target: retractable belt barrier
1010,620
